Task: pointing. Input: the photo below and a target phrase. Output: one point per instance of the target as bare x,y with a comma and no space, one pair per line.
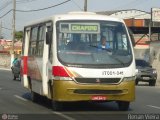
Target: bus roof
76,16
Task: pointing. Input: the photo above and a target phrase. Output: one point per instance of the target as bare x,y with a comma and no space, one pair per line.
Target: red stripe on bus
25,65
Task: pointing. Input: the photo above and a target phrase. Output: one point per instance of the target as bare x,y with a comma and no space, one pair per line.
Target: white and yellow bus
62,60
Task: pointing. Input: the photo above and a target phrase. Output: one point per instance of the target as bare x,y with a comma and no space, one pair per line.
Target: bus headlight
136,71
129,78
154,72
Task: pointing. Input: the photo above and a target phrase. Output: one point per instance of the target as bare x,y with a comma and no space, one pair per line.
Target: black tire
34,96
123,105
14,77
136,82
57,106
152,82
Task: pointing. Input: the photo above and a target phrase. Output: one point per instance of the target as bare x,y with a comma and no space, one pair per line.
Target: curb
5,69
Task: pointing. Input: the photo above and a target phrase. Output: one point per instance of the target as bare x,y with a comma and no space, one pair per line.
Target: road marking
21,98
0,88
64,116
153,106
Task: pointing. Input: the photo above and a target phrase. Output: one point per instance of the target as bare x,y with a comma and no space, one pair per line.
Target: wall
5,60
134,22
155,57
142,52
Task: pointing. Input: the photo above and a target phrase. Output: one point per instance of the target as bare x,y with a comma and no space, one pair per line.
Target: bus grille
86,91
98,80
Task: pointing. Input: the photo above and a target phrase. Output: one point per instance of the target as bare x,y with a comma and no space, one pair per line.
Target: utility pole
150,26
13,24
13,29
85,5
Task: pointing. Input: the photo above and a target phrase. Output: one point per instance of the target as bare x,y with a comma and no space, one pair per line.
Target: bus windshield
93,44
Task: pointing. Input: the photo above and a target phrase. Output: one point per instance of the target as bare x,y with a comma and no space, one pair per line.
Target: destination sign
81,27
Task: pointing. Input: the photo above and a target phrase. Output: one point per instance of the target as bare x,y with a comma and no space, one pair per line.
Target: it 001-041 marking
112,73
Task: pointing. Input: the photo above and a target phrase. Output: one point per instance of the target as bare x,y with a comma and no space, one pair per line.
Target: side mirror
132,37
49,34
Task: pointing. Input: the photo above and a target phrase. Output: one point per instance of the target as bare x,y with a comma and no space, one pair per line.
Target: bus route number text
112,73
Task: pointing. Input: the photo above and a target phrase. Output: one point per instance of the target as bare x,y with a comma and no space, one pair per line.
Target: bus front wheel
123,105
57,106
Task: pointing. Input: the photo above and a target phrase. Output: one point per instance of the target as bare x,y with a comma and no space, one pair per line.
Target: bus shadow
77,106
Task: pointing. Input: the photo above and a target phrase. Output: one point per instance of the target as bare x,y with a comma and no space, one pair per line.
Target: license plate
99,97
146,78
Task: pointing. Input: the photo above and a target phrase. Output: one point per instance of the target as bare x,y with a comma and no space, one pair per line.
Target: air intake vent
98,80
83,91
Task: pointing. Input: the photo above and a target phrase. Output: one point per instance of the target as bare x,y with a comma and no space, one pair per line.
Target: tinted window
142,63
37,41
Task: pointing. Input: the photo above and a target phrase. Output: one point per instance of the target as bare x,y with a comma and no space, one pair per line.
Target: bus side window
33,41
40,41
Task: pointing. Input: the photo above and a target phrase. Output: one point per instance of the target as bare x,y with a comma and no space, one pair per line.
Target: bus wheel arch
34,96
56,105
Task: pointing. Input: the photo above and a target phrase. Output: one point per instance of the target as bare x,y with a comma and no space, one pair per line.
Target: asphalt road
15,104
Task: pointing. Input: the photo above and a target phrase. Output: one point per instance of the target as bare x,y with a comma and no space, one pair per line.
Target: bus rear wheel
123,105
34,96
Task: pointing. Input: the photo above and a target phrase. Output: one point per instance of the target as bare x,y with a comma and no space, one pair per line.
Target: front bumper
71,91
146,76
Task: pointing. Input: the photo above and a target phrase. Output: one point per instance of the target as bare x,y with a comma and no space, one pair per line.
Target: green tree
19,35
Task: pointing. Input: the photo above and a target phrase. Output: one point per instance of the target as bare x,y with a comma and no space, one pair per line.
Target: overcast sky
74,5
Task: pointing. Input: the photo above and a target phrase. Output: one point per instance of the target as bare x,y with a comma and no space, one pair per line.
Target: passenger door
46,57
